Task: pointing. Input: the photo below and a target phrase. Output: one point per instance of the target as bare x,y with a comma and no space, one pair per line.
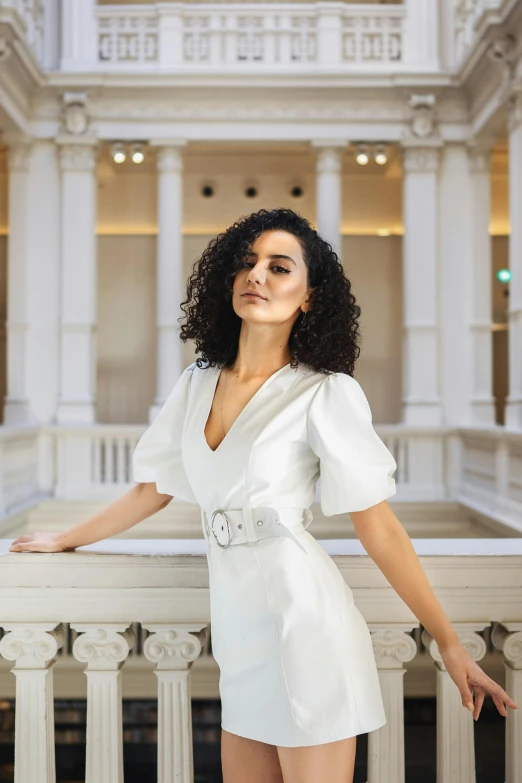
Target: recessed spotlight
118,152
251,191
380,156
296,191
137,153
362,157
207,191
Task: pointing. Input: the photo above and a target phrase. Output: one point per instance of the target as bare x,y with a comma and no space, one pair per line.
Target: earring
303,319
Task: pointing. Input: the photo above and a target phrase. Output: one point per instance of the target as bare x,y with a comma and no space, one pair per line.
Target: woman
246,437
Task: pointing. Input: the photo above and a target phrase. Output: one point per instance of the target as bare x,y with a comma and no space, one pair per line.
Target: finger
465,693
29,546
22,539
499,693
480,695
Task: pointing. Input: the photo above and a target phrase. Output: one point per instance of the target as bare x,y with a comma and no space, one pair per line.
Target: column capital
508,640
31,645
392,644
19,155
329,160
77,155
419,158
479,152
169,160
468,634
173,646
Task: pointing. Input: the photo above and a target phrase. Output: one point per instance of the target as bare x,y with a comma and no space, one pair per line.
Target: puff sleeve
157,456
356,468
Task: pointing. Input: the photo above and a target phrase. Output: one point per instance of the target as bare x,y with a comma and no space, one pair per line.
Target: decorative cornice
75,117
32,646
514,109
174,646
5,49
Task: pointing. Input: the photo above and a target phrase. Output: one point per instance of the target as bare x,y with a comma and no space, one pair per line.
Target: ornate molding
77,157
5,49
393,646
479,153
32,646
104,646
514,110
421,158
422,123
75,117
174,646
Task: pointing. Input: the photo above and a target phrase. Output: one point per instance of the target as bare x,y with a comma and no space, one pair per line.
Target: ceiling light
137,153
118,152
380,156
362,156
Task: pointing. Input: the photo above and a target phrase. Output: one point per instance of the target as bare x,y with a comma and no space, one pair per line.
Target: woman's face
275,270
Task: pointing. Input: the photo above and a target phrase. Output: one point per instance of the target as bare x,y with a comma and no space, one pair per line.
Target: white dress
295,654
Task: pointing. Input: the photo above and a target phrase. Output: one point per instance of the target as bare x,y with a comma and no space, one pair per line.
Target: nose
256,274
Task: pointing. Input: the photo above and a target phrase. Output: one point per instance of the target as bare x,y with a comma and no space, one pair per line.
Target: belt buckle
222,529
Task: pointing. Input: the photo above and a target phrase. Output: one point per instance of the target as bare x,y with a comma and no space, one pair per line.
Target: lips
252,293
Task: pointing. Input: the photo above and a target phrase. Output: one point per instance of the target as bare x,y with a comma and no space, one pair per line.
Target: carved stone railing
491,474
102,591
266,36
19,467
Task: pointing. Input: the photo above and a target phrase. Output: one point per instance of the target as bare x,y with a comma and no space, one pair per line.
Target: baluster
33,648
216,37
104,648
174,648
231,39
507,637
455,742
392,647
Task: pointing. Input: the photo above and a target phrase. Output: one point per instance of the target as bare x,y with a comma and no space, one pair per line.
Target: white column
104,648
79,35
170,277
465,287
78,283
393,647
421,35
33,648
174,648
508,639
482,400
421,402
329,191
33,284
455,725
513,416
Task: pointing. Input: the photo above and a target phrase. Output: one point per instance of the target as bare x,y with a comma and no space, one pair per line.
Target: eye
277,266
282,268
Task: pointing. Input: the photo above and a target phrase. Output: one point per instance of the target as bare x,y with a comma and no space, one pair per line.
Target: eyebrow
274,256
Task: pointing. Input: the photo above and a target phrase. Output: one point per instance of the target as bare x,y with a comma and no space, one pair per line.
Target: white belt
227,527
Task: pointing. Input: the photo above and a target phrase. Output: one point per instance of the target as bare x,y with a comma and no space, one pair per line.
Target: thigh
245,760
332,762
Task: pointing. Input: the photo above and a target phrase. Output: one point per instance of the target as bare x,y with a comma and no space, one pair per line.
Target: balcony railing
290,37
102,591
30,14
469,15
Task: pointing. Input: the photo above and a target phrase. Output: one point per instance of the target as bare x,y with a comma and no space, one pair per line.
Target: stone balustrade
103,591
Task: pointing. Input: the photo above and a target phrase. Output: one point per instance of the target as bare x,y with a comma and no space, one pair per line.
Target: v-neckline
212,392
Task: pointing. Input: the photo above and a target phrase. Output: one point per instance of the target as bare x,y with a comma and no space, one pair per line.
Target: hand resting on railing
139,503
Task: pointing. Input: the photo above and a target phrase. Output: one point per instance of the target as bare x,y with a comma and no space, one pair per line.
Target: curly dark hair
327,341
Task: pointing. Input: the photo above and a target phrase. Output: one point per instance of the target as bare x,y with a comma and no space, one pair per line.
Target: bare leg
248,761
332,762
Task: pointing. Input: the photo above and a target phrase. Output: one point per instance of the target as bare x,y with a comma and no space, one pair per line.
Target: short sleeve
157,456
356,467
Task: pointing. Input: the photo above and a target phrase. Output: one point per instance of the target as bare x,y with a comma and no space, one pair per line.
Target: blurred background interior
130,135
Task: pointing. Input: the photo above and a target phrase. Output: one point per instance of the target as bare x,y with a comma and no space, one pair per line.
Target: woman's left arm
390,547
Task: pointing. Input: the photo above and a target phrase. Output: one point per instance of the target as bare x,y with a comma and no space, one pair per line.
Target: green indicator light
504,276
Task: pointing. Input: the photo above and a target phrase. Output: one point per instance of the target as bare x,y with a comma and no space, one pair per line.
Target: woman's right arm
137,504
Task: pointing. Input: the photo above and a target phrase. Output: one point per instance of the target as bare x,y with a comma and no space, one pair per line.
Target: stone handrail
102,590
